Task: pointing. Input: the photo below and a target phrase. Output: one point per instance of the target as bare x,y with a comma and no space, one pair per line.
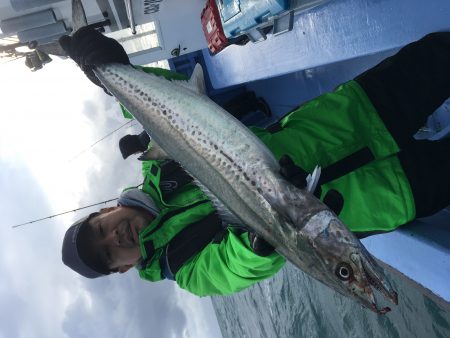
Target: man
361,135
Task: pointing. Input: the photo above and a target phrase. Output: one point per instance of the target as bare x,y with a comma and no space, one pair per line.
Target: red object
212,27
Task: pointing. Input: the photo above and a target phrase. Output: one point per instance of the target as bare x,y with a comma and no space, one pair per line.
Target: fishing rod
88,206
73,210
104,137
63,213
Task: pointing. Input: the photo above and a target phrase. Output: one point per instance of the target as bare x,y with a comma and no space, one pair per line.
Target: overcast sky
49,120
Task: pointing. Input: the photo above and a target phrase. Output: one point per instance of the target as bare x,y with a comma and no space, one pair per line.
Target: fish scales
197,137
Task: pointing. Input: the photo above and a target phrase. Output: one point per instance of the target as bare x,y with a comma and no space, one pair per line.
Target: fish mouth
376,280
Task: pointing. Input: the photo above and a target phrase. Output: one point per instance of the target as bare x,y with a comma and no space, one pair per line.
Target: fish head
351,269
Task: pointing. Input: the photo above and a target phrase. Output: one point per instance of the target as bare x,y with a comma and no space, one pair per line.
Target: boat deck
328,45
331,44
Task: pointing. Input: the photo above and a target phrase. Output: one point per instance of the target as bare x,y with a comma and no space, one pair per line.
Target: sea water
292,304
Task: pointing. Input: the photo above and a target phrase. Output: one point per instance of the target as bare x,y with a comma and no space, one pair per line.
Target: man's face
112,236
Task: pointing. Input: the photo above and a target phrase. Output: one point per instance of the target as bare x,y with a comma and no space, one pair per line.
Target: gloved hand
291,172
131,144
89,48
334,200
259,245
297,176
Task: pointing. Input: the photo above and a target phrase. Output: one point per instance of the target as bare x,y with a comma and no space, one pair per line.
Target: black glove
333,199
259,245
293,173
297,176
131,144
89,48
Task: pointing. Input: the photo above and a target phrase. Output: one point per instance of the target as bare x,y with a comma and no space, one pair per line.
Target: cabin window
145,40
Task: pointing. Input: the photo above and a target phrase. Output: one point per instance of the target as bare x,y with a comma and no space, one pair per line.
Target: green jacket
220,268
377,196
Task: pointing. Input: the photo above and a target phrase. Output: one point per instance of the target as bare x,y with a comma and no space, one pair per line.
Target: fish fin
224,213
146,156
154,153
197,81
52,48
78,15
78,21
313,179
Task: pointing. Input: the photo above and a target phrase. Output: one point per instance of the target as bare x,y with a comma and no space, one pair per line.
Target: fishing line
73,210
104,137
63,213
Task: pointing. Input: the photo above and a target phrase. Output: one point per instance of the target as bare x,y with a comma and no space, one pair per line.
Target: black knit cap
74,253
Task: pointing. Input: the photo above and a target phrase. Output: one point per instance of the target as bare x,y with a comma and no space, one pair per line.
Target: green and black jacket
188,242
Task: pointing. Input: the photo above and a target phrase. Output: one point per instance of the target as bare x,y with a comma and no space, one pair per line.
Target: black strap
192,240
341,167
346,165
274,127
149,247
172,213
150,251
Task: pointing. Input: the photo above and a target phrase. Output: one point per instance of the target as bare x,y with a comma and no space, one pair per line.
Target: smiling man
108,240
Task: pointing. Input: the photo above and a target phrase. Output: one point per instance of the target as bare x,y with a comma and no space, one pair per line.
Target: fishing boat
324,43
328,45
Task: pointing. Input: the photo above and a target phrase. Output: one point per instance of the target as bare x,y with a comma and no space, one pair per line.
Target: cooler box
242,15
212,27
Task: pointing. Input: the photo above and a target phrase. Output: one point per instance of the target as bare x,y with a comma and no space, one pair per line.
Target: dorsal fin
197,81
78,21
78,15
154,153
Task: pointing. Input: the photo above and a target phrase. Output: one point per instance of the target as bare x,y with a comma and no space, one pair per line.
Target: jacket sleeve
227,267
168,74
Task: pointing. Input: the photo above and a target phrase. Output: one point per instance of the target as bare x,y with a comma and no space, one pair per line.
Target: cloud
124,306
8,314
47,165
30,260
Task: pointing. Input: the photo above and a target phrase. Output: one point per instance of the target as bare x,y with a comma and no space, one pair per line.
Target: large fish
237,168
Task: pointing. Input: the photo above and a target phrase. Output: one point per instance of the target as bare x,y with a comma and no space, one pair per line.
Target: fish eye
344,271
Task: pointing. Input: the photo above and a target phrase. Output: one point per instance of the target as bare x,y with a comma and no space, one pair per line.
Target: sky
49,121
